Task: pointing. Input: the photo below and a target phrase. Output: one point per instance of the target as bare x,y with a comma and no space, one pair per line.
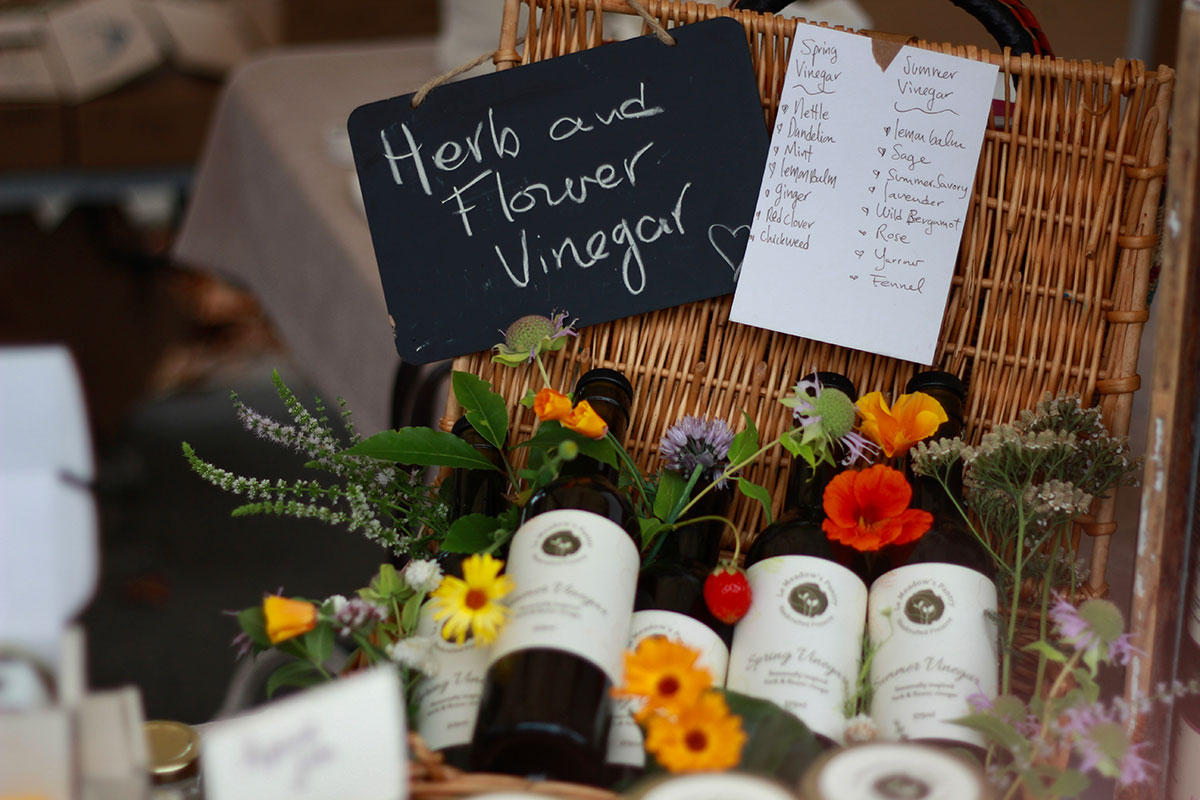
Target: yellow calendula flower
584,420
287,618
912,418
703,737
471,603
663,672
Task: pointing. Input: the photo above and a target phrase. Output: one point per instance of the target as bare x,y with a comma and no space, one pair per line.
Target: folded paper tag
345,739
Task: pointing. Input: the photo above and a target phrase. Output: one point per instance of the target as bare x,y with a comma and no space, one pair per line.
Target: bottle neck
806,488
928,492
614,410
478,491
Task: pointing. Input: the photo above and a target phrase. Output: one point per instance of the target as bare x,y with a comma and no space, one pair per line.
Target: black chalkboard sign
606,183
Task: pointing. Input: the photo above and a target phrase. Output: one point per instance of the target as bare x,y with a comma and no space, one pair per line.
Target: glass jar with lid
174,750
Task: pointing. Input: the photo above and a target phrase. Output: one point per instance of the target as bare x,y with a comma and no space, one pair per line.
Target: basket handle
1009,22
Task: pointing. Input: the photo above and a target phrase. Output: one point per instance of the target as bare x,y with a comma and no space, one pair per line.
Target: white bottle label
1185,767
889,771
717,786
575,574
448,701
625,741
800,645
934,629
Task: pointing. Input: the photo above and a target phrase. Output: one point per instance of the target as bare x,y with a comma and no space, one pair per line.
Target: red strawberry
727,593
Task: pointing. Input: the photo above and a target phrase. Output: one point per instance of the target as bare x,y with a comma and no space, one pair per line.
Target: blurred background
98,167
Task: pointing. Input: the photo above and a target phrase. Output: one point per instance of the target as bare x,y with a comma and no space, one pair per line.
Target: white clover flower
415,652
423,575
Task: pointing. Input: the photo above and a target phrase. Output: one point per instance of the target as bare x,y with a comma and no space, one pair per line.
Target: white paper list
864,195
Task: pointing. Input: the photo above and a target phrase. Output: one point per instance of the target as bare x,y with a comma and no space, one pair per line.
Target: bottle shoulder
790,536
591,493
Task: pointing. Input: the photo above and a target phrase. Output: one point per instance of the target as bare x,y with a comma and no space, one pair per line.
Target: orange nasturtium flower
584,420
551,405
287,618
912,418
702,737
663,673
868,509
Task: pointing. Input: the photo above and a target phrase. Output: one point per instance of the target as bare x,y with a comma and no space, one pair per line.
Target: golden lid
174,750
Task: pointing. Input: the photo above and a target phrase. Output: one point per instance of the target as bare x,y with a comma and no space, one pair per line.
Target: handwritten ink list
865,194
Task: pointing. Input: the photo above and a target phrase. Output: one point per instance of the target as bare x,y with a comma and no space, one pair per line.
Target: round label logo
561,543
899,786
808,600
924,607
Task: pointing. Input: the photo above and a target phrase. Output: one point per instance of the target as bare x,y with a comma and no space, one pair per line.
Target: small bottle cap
936,379
174,750
604,375
833,380
460,425
889,770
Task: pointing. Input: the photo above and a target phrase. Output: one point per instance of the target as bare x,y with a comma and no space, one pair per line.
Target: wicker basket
1050,291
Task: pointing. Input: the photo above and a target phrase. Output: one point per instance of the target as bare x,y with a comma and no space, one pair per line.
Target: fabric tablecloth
271,209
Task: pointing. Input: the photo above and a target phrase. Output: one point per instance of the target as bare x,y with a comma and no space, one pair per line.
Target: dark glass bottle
932,614
546,708
800,645
474,491
446,703
697,547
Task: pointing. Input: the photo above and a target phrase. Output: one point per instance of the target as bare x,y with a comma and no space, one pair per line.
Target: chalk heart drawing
726,240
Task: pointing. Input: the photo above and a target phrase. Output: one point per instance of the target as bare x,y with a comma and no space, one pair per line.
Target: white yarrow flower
415,652
423,575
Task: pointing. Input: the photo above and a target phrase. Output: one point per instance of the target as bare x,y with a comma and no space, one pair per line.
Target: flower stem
542,369
1047,582
1019,563
728,473
624,456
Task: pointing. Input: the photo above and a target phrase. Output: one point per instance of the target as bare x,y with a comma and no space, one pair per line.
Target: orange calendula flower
912,418
869,509
551,405
702,737
664,674
287,618
583,419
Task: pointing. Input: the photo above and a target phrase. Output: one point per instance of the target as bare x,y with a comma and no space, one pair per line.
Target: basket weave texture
1051,285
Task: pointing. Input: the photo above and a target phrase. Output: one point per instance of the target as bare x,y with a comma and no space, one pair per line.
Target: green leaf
319,642
756,492
410,612
485,410
670,490
650,528
550,435
471,534
423,447
790,444
254,624
295,673
745,444
999,731
1070,783
778,745
527,400
1048,650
